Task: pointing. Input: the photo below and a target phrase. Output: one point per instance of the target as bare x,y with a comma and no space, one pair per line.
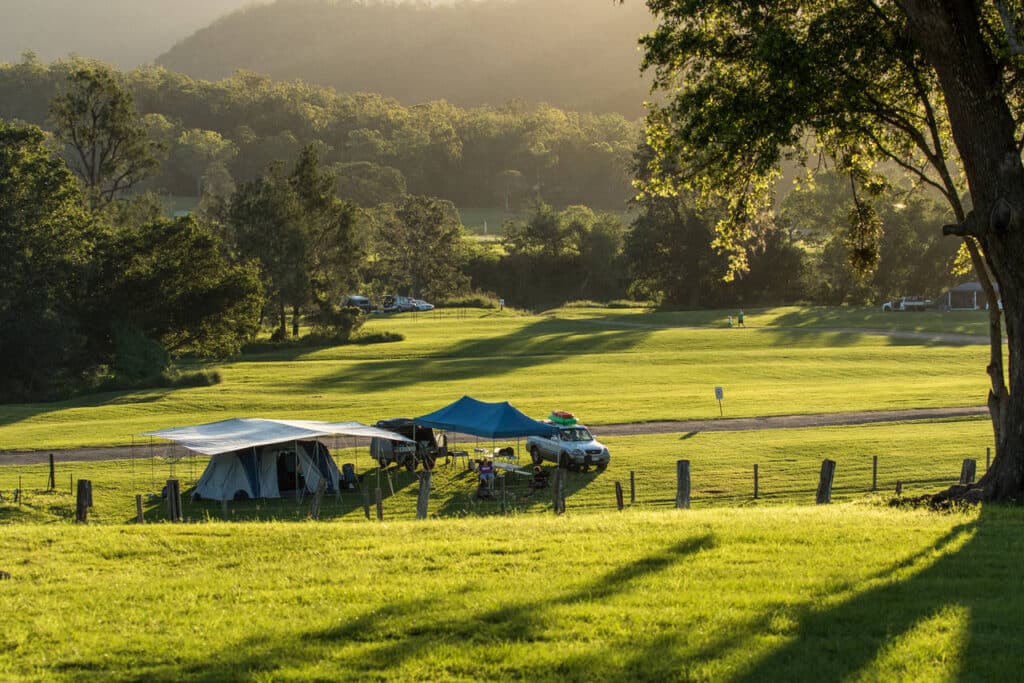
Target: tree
930,86
419,248
264,222
301,234
44,252
171,281
95,118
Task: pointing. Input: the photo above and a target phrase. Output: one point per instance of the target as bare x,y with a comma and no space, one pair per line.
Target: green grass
606,365
734,589
844,592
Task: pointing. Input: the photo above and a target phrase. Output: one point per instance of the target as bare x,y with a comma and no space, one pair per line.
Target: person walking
739,319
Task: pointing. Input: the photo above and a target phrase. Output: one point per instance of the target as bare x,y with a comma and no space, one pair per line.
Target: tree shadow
970,568
399,631
543,342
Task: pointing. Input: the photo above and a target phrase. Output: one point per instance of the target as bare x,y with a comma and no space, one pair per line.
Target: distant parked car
907,303
421,305
357,301
397,304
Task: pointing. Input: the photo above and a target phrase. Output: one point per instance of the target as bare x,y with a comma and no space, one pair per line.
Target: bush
475,300
334,324
377,338
137,358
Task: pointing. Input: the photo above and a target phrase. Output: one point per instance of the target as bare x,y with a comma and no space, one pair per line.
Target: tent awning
238,433
479,418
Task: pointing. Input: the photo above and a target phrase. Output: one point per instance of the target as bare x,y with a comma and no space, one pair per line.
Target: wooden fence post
139,517
318,497
52,484
174,500
899,487
83,501
632,487
828,472
967,471
874,473
559,491
424,496
756,482
618,496
683,484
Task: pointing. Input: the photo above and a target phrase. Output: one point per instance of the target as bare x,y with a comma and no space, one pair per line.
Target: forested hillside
123,32
574,54
214,135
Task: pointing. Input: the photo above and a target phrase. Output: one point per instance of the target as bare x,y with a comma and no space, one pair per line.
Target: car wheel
535,455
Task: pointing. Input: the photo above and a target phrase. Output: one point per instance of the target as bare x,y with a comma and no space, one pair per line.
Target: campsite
479,588
511,340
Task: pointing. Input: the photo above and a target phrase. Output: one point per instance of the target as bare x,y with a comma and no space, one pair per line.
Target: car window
576,434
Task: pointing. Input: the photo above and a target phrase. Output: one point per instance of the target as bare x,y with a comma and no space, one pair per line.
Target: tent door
288,479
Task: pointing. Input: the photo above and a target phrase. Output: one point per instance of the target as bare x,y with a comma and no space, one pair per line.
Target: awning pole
295,445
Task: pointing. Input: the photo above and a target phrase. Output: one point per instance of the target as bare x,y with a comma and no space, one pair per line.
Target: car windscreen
575,434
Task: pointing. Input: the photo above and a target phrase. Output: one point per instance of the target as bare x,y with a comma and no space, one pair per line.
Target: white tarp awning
245,432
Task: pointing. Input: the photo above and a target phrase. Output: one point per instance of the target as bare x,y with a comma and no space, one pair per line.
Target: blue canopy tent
479,418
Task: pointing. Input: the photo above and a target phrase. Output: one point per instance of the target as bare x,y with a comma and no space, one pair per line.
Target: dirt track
736,424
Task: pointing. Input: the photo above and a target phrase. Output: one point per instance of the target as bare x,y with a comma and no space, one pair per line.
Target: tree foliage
45,248
930,87
95,118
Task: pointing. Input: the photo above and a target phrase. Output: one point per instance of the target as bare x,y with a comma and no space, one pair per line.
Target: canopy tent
241,432
255,458
479,418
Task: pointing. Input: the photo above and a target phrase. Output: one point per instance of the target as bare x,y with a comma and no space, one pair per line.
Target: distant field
606,365
843,592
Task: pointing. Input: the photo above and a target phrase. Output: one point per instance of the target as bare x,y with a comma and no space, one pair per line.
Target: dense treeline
575,54
216,135
99,288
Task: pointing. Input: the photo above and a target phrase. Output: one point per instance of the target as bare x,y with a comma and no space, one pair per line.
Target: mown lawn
606,365
843,592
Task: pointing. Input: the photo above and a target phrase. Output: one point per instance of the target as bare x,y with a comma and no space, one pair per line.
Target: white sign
719,394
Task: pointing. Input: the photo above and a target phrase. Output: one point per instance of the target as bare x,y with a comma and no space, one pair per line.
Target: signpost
719,395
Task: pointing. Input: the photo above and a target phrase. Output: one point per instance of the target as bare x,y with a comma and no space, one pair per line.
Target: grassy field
845,592
606,365
734,589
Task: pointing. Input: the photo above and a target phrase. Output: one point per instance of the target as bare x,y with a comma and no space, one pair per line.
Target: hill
123,32
577,54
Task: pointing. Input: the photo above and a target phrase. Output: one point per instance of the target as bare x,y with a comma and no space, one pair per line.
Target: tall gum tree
934,86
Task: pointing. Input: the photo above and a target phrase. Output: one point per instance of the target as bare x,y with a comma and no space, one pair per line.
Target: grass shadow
542,342
401,631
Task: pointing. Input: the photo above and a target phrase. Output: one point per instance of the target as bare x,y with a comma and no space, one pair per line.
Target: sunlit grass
845,592
585,360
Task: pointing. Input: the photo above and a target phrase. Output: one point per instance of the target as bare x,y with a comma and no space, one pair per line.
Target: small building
969,296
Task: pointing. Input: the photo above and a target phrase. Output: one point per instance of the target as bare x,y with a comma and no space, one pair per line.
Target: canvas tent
255,458
479,418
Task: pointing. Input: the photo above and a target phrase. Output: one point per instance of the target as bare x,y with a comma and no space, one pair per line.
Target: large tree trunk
949,35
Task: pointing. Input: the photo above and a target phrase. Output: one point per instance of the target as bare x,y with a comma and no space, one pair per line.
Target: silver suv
571,446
